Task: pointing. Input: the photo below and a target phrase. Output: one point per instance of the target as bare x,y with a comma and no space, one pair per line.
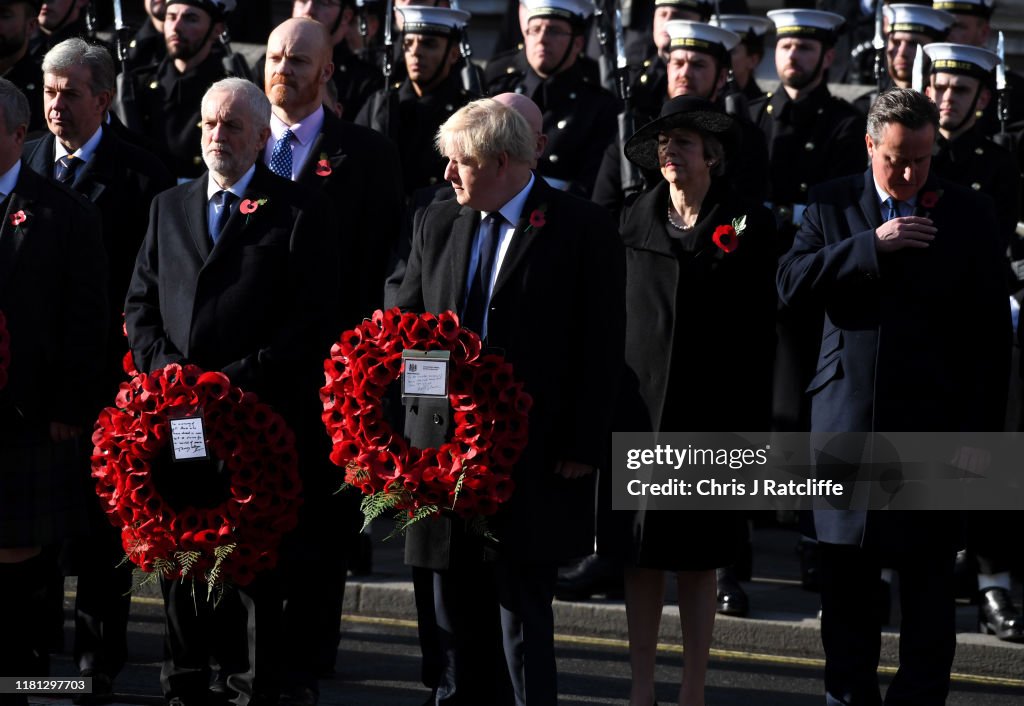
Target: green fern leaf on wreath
187,560
373,506
404,522
219,555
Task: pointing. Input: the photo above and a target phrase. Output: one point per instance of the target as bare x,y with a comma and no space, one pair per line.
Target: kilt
42,500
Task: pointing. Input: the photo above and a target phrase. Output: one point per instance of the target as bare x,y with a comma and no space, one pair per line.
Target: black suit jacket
121,180
915,340
365,184
557,314
53,276
256,305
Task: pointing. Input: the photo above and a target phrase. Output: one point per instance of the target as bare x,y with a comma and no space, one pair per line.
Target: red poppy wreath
5,350
231,542
470,475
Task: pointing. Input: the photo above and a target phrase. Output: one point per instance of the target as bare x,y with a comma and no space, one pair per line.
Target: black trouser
246,622
851,632
21,585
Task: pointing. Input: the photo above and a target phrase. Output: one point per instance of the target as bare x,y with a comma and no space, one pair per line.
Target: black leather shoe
102,690
998,616
593,574
299,696
732,599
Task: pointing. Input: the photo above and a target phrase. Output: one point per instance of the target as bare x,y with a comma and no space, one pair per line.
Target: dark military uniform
355,79
648,86
413,125
989,118
146,47
810,140
514,61
28,76
974,161
167,111
580,120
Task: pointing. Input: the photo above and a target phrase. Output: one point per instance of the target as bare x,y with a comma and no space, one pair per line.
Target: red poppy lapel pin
249,206
928,200
538,219
323,166
727,237
17,218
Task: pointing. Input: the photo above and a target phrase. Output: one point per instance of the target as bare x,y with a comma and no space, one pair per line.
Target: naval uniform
418,118
580,121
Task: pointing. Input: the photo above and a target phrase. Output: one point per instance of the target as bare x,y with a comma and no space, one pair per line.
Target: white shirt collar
513,210
305,131
212,187
884,195
9,180
84,152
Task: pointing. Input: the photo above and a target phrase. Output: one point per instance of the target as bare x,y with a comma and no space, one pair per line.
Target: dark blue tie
66,167
892,209
281,158
223,201
479,290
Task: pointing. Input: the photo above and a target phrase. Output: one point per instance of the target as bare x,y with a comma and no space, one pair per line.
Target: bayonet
878,44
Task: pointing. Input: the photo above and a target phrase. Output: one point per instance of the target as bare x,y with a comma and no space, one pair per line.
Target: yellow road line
736,655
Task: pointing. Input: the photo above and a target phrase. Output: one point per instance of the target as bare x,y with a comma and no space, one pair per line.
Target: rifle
125,108
234,64
734,101
384,104
606,62
470,75
878,43
609,25
1003,137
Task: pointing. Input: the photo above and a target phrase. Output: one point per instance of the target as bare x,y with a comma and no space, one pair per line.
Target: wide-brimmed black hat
688,112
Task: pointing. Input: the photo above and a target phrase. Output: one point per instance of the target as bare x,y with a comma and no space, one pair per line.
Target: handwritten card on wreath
425,373
188,439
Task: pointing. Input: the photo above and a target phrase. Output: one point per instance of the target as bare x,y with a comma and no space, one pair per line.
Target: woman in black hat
700,336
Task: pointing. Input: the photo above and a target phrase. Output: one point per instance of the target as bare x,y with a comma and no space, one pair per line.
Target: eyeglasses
549,31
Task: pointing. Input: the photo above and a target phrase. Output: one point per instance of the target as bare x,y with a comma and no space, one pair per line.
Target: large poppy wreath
5,350
231,542
469,475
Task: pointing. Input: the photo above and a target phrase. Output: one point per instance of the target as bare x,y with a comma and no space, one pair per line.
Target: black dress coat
365,181
916,340
556,312
53,292
700,337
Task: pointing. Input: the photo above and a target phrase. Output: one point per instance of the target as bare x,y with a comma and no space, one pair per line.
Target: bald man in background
355,168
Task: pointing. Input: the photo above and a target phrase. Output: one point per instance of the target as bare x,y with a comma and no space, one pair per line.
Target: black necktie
479,290
226,200
66,168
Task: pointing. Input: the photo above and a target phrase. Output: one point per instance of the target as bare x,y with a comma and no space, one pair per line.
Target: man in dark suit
541,278
121,180
53,296
356,168
251,295
916,337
